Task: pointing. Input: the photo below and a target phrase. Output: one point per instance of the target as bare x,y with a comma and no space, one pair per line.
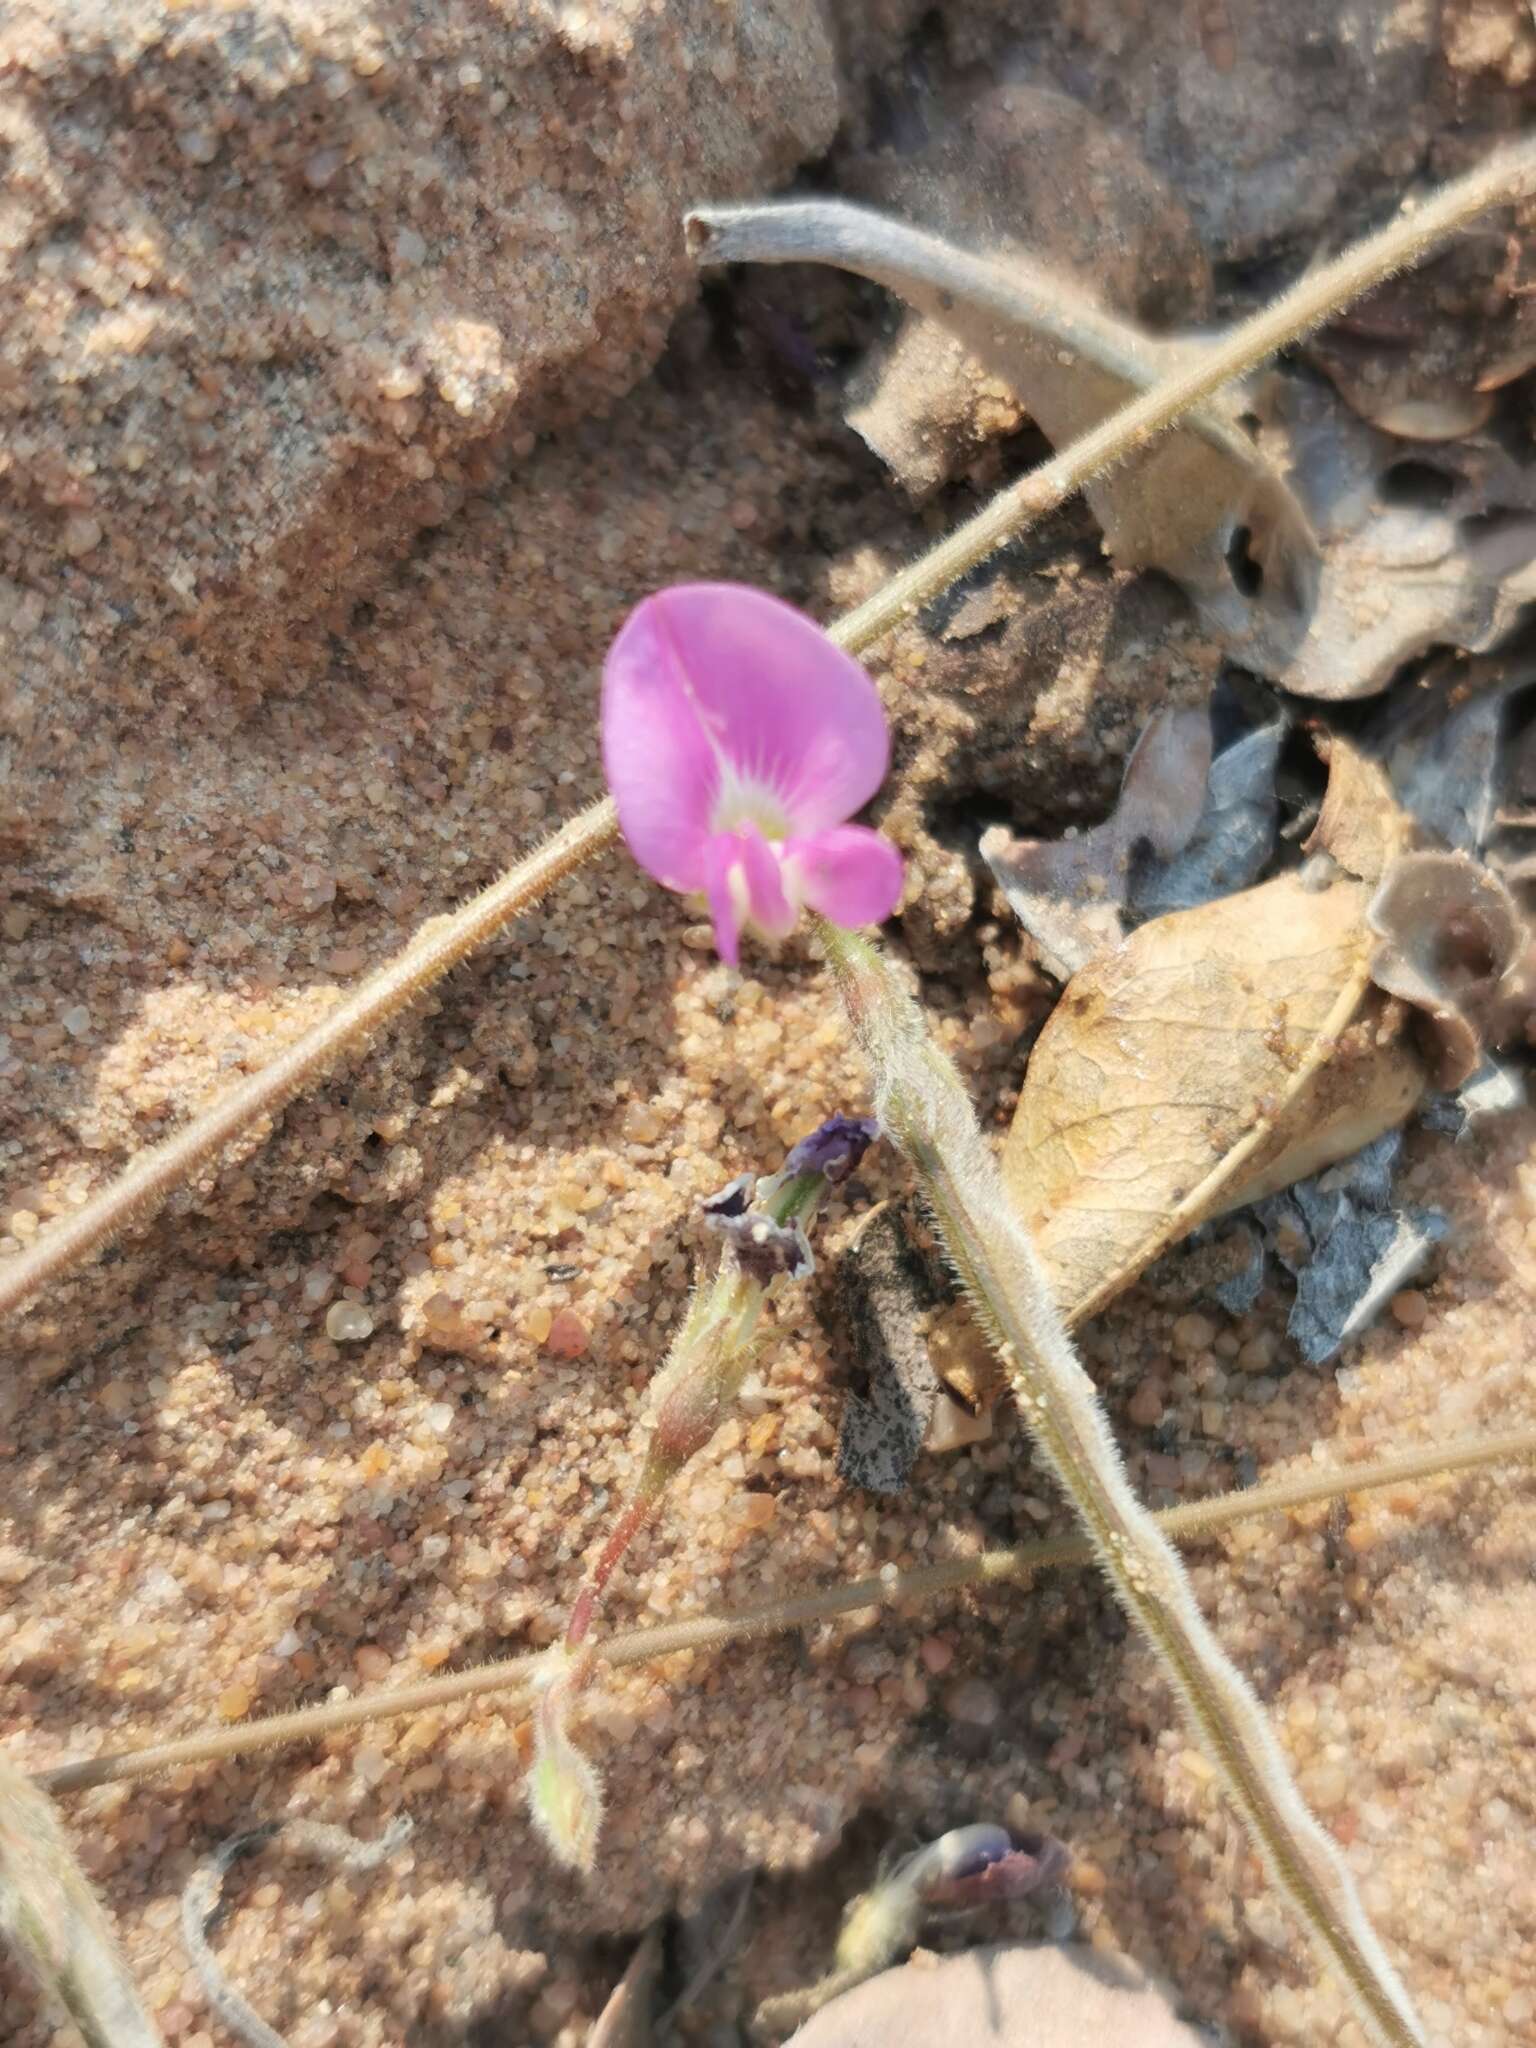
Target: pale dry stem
1191,1523
440,945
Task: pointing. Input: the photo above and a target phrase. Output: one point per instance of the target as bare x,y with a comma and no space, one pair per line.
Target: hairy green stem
925,1112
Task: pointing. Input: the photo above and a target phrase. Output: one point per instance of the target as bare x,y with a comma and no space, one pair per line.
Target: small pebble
1410,1308
1193,1333
76,1021
1145,1406
348,1322
81,534
973,1702
567,1335
373,1664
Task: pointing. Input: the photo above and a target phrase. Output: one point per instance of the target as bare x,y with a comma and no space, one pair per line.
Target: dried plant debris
1420,549
1226,1051
1186,830
1425,356
1492,1090
625,2021
967,1867
1013,171
1240,1043
1204,503
707,1940
880,1300
1349,1246
1012,1997
201,1904
1449,933
1325,552
1070,894
56,1928
1441,739
1234,840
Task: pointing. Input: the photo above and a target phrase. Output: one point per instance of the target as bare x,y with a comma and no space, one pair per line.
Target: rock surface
1006,1997
280,283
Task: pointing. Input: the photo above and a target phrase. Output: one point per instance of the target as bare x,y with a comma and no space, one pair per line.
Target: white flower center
741,802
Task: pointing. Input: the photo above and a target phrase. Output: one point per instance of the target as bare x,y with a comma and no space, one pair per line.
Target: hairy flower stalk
55,1925
924,1110
764,1224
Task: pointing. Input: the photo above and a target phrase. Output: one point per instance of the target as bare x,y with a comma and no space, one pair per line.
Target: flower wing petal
850,874
785,709
744,884
662,766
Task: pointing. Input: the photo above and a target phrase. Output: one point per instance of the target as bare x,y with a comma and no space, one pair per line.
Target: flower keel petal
744,885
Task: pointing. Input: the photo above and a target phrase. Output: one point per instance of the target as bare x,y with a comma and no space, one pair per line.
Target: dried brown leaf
1361,825
1216,1056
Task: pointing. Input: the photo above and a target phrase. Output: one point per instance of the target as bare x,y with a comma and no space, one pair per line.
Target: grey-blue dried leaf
1445,773
1492,1090
1234,840
1069,894
1348,1245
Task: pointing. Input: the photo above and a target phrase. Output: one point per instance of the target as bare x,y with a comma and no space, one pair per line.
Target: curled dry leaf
1069,893
1216,1056
1007,1997
1450,934
1014,170
1181,506
1420,547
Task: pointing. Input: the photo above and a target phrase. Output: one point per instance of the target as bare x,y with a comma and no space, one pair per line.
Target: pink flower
736,740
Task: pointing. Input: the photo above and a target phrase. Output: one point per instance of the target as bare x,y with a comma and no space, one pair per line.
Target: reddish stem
634,1518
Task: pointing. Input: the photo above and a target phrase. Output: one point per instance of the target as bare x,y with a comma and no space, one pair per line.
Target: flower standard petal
850,874
787,712
662,766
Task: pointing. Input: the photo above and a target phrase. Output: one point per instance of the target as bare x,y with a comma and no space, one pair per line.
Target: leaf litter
1274,1038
